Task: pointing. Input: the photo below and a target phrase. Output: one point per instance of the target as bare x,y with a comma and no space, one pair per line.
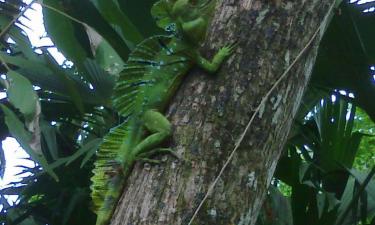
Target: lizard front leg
217,60
160,129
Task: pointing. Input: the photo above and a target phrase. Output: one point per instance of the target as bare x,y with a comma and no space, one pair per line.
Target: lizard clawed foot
228,50
147,155
151,161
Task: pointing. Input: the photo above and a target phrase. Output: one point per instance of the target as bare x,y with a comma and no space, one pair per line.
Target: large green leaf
338,144
21,94
345,65
108,58
110,10
86,12
139,14
328,142
62,32
44,72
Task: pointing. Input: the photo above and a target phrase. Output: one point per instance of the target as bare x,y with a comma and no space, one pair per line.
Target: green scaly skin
151,77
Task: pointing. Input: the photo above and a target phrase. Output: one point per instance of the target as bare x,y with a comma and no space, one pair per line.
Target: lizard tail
105,212
108,177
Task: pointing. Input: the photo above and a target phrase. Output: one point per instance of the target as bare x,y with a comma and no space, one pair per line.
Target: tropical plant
318,169
61,118
66,111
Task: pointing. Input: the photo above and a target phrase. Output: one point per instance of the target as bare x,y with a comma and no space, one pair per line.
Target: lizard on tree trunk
152,74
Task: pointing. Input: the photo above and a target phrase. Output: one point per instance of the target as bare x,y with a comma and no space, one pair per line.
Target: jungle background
59,112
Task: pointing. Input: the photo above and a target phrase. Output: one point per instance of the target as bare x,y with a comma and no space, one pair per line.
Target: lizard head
187,19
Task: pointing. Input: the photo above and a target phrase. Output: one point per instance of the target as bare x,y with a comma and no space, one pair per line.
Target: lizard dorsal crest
136,74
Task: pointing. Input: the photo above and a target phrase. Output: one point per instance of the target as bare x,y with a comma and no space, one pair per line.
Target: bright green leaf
61,30
112,13
21,94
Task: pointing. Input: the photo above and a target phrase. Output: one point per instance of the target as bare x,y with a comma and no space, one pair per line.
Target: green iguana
150,78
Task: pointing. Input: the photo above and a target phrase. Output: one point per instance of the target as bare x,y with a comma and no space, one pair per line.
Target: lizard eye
171,28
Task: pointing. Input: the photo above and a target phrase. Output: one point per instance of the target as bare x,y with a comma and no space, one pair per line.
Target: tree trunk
209,114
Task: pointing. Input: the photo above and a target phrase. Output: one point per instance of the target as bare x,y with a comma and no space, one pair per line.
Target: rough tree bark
210,113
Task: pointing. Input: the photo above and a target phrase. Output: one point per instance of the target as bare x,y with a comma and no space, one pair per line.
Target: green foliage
317,171
365,158
345,65
316,168
75,104
19,87
62,31
276,209
111,11
42,199
139,13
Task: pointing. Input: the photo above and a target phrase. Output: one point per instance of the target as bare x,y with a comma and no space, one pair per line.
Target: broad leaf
21,94
62,32
110,10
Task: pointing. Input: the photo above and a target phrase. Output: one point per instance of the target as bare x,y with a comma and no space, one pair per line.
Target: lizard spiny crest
105,163
137,74
142,61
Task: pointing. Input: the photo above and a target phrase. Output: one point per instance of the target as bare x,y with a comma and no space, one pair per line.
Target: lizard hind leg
146,157
160,129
